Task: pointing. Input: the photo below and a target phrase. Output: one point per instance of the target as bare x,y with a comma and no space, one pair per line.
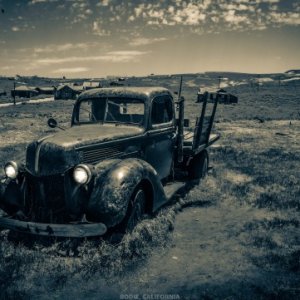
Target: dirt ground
233,236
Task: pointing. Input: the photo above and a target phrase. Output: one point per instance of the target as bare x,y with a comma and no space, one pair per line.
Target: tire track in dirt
206,250
210,256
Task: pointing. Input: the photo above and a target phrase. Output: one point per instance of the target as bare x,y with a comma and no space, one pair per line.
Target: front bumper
78,230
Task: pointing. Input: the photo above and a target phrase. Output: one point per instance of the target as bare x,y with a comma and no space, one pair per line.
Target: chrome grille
98,154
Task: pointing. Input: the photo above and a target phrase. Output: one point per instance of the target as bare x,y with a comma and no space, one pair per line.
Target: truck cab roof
143,93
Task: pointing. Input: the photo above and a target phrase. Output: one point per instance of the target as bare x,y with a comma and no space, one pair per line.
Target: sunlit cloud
7,68
186,14
127,53
142,41
220,15
98,30
15,28
111,17
61,48
289,18
71,70
103,3
113,56
231,17
32,2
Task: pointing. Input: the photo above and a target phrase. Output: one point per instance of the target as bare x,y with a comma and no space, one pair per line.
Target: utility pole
14,92
219,81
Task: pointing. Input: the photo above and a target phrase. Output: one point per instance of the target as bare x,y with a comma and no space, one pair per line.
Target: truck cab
146,115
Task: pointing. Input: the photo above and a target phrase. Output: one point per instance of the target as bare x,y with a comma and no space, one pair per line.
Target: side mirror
52,123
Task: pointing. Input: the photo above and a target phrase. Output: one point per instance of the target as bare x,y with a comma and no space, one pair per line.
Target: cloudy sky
94,38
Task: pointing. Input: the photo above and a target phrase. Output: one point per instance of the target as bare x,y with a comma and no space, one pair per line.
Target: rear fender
114,188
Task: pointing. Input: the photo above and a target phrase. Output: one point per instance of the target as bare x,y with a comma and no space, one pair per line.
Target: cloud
103,3
113,17
215,16
178,14
33,2
98,30
64,47
192,14
231,17
71,70
80,11
127,53
15,28
142,41
286,18
113,56
7,68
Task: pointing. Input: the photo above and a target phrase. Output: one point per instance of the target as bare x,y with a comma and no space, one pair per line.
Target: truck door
161,135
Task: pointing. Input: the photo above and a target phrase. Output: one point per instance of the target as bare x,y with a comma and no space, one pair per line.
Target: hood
57,153
81,135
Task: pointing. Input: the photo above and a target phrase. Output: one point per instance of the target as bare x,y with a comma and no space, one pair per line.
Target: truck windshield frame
111,110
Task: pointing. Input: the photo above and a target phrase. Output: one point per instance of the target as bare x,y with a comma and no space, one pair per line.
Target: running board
59,230
172,188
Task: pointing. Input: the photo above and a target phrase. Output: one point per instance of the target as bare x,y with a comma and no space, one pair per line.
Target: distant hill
293,72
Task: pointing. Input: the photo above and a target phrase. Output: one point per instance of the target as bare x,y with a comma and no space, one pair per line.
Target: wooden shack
24,91
88,85
46,90
115,83
66,92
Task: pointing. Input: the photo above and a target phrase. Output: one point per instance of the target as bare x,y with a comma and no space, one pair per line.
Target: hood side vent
96,155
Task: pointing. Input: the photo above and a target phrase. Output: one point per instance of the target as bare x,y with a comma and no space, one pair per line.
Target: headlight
11,170
82,174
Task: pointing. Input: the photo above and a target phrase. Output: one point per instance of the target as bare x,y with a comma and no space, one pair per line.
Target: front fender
114,188
10,195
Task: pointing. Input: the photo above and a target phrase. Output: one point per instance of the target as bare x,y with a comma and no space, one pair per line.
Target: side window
85,112
162,110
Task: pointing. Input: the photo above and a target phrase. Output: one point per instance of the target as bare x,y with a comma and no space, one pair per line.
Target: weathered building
88,85
24,91
46,90
67,92
115,83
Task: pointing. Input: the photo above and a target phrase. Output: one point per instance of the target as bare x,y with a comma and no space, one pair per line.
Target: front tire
198,166
137,208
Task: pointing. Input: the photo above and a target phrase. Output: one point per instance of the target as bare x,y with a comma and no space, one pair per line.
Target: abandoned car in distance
124,156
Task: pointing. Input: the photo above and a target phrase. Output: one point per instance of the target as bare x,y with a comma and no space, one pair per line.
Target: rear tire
198,166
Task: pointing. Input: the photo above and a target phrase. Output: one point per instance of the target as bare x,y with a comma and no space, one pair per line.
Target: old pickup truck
125,155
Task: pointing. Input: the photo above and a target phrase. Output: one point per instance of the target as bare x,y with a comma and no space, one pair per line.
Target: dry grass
255,178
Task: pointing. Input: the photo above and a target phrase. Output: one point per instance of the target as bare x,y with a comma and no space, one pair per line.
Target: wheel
198,166
137,207
136,212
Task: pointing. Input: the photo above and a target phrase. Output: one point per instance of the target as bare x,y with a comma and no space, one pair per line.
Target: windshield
111,110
